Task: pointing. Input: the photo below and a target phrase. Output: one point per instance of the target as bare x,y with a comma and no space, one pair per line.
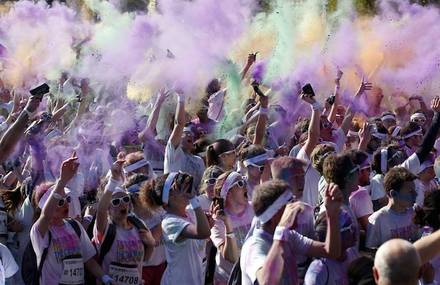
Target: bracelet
230,235
106,279
263,111
316,106
281,233
112,184
194,202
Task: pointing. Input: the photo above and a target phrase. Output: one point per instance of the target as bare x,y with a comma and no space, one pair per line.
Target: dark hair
265,194
395,156
396,177
213,87
409,128
216,149
201,145
360,271
12,199
251,151
210,172
151,192
357,156
336,169
430,213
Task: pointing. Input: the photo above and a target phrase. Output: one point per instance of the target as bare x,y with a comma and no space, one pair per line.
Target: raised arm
16,130
251,59
176,135
152,120
332,115
199,230
69,168
104,203
260,129
229,249
431,134
428,247
364,136
349,114
314,131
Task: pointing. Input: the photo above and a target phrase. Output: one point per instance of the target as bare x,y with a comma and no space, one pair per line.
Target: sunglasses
239,183
210,181
64,200
117,201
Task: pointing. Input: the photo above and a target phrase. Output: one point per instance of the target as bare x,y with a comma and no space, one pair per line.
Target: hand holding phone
221,204
40,91
308,90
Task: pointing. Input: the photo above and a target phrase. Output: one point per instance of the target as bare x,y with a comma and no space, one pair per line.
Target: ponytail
211,156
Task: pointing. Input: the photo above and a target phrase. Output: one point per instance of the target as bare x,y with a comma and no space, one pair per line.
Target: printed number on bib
73,271
124,274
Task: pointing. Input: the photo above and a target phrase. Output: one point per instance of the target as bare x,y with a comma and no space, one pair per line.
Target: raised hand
290,213
333,199
116,170
252,57
69,167
339,74
365,132
364,86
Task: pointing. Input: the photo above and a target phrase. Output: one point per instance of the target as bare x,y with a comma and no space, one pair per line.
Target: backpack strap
43,256
136,222
107,242
75,226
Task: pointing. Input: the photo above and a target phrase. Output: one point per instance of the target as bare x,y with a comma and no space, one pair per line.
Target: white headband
418,132
45,197
167,187
228,182
136,165
396,131
255,159
417,116
275,207
388,117
187,130
383,160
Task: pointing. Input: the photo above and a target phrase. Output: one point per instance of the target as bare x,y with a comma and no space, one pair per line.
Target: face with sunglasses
255,170
237,193
119,205
63,206
208,187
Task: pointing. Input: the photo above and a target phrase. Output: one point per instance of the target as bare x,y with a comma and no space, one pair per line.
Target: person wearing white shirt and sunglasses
253,158
129,244
232,222
206,187
184,232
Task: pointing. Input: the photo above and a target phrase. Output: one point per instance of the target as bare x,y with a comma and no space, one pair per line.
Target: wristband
281,233
194,202
230,235
106,279
112,184
263,111
316,106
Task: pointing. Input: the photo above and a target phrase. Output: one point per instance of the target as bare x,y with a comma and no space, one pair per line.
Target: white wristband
230,235
316,106
106,279
112,184
263,111
194,202
281,233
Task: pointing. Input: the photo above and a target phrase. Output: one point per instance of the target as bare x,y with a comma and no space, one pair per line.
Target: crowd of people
345,192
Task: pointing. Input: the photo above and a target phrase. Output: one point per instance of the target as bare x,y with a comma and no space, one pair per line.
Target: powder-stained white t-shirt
66,251
360,202
241,225
256,249
184,257
8,266
386,224
311,180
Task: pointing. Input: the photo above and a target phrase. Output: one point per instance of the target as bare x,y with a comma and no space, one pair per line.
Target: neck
121,221
57,221
181,212
141,212
235,208
396,207
253,180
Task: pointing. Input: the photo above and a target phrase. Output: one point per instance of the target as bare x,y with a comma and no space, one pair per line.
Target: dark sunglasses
259,167
117,201
210,181
64,200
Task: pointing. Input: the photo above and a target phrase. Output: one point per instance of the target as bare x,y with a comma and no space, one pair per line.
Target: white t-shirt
241,225
8,266
360,202
64,246
256,248
184,257
158,255
312,176
377,190
325,271
177,160
386,224
216,105
205,202
125,258
305,225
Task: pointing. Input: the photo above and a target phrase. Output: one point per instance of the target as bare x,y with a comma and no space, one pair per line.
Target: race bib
125,274
73,271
